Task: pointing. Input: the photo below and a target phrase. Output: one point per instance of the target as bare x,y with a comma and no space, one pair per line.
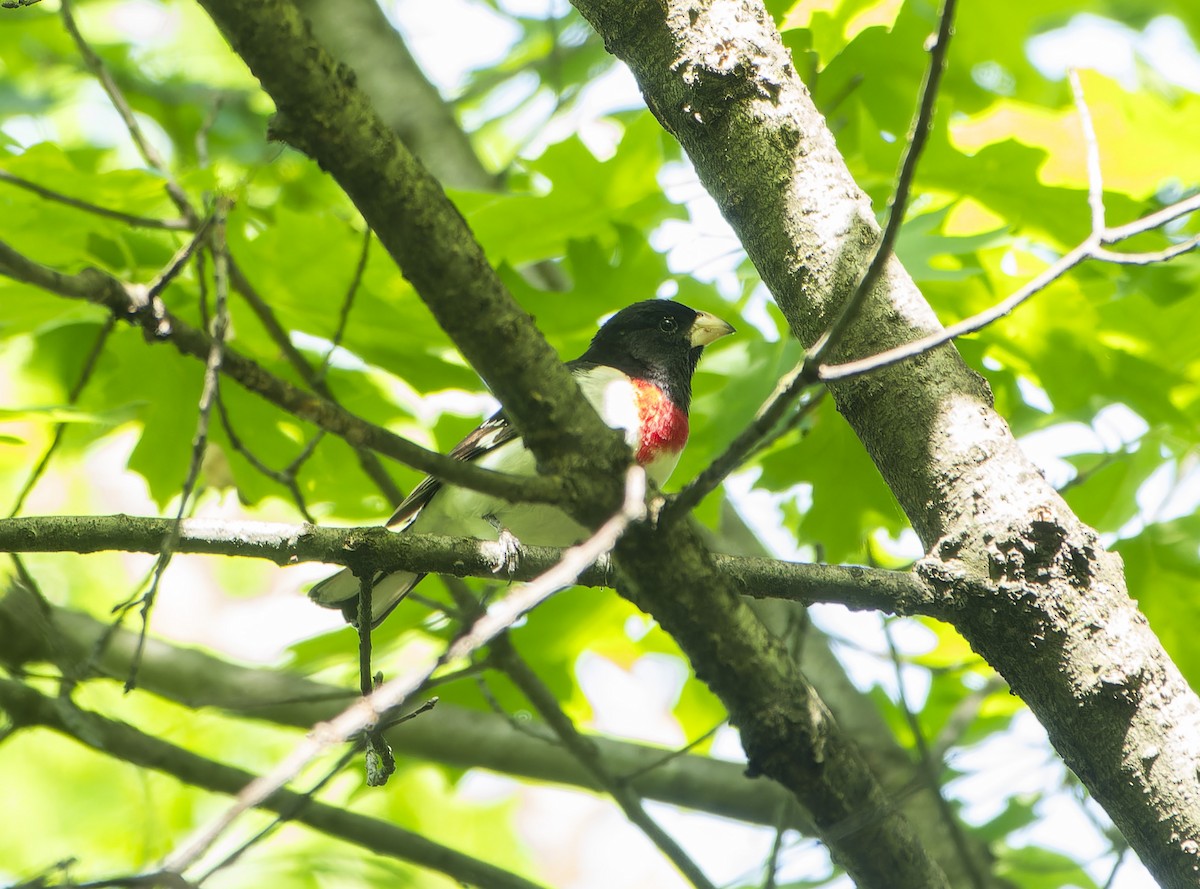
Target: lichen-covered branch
1036,593
377,548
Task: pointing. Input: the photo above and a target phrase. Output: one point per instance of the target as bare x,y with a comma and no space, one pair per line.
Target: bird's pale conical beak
707,328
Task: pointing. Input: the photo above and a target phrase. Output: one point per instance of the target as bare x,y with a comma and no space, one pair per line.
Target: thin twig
1092,150
630,777
1151,221
127,218
366,712
208,396
918,134
1167,253
85,374
931,768
587,755
144,146
756,436
347,304
298,805
181,258
770,878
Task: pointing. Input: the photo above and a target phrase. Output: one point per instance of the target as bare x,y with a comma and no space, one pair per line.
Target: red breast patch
664,425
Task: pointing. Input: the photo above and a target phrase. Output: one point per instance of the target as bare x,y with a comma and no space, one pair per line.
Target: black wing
487,436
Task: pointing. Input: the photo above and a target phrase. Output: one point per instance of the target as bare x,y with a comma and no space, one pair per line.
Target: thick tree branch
896,592
130,302
358,34
1039,598
27,707
322,113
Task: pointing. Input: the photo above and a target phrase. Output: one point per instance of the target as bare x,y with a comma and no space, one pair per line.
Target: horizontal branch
27,707
130,302
454,736
856,587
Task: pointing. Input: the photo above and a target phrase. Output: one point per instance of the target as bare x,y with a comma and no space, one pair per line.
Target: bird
637,374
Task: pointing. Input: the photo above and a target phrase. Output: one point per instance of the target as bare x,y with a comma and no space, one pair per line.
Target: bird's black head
657,340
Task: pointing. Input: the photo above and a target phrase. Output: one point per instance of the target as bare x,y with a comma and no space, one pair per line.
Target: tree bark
1037,595
787,733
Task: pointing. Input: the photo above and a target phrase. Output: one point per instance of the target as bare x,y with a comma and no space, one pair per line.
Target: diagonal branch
456,736
27,707
129,302
390,697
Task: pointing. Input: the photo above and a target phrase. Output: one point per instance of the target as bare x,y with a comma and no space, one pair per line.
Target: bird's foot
509,555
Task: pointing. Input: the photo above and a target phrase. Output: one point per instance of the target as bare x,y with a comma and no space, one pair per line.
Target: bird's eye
668,325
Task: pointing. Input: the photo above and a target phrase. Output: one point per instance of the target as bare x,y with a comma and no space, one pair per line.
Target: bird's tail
341,591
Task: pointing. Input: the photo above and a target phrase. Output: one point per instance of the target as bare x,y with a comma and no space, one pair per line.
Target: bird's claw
509,555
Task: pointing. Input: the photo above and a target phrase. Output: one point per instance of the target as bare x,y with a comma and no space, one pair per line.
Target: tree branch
856,587
452,735
130,302
27,707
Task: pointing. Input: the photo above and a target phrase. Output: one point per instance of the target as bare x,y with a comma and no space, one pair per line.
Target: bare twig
367,712
672,755
931,768
208,396
85,374
917,136
181,258
1092,150
144,146
757,435
127,218
770,878
586,753
347,304
298,804
1167,253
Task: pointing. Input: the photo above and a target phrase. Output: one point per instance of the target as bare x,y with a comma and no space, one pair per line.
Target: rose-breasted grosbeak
637,373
